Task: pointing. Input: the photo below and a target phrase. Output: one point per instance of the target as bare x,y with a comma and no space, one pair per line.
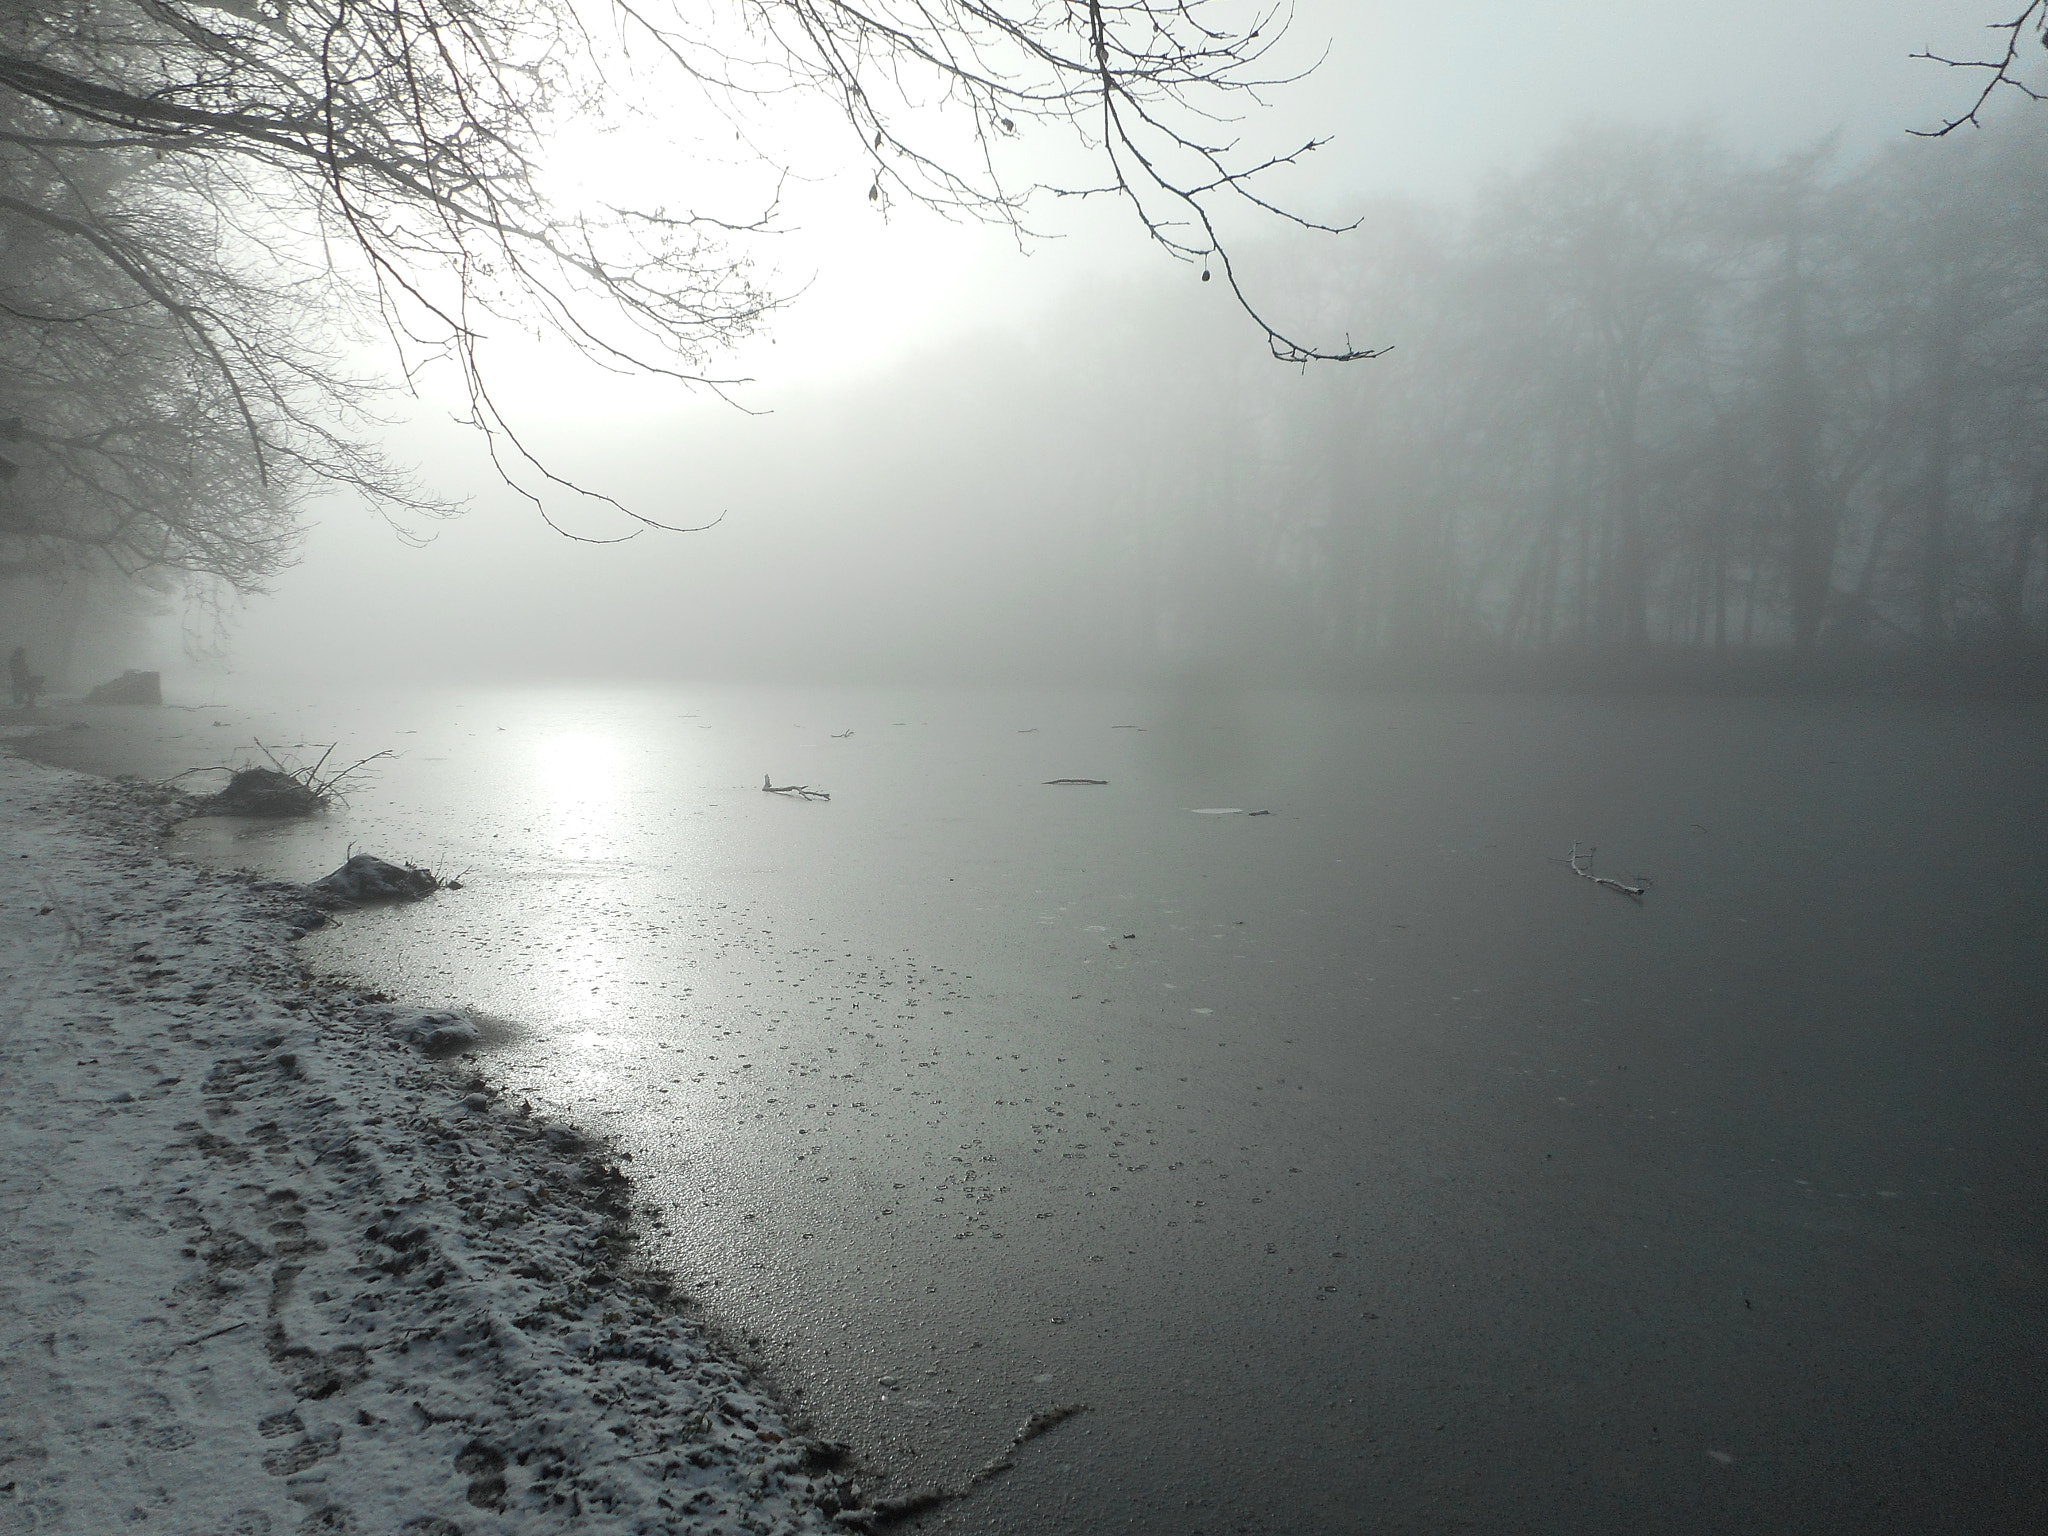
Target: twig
1633,892
890,1510
362,762
1077,781
309,779
2003,68
55,903
1045,1419
231,1327
1041,1420
801,791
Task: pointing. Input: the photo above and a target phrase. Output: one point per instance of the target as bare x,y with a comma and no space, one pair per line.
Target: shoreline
275,1269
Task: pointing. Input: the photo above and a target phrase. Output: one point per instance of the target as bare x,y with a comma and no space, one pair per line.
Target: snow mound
436,1032
367,878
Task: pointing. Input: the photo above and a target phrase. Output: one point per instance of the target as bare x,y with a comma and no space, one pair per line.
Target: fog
1447,940
959,457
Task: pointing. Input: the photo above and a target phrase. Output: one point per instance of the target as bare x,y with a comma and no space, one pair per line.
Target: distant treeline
1653,411
1650,406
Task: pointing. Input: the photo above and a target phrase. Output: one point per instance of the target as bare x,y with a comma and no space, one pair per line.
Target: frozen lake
1356,1164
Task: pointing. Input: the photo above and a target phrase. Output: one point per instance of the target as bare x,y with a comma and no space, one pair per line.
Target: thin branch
2002,68
1633,892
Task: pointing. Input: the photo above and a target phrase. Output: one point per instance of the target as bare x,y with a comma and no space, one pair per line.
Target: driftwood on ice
1633,892
800,791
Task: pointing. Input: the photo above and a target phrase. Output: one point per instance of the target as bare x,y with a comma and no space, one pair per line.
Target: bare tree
1670,407
165,408
412,134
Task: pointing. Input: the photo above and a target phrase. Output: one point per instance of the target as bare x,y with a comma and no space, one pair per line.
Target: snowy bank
270,1269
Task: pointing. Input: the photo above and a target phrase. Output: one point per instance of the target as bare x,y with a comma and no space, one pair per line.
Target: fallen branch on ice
801,791
887,1511
1634,892
1077,781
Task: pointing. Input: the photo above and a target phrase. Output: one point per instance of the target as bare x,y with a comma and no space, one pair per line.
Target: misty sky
1418,101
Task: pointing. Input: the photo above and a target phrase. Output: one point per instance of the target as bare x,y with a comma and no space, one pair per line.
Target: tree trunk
1812,551
1933,575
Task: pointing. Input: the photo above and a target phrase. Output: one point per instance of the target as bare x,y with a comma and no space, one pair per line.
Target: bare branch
412,136
2003,68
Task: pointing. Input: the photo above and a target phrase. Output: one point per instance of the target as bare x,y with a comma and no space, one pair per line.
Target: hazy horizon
905,489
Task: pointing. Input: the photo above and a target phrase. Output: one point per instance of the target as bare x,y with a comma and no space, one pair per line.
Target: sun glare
579,788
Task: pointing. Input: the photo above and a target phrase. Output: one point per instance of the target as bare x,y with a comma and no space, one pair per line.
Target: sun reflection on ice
578,795
588,1058
579,790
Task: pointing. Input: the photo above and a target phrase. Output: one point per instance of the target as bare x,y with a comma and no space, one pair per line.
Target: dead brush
287,787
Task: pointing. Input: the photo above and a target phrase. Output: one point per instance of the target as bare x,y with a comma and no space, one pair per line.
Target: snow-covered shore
269,1269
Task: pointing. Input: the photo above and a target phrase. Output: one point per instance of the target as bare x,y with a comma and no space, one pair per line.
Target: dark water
1356,1164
